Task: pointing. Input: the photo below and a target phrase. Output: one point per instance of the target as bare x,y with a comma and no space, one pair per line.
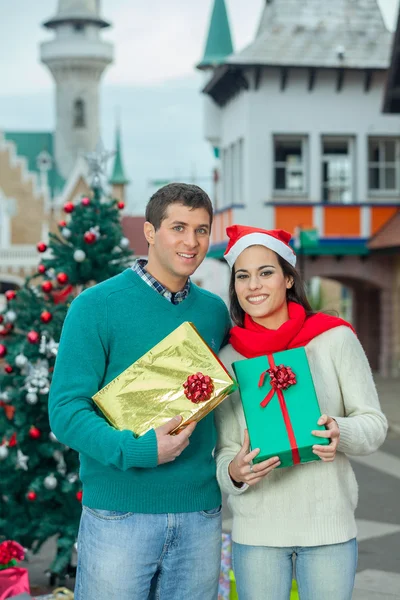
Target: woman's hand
327,453
242,471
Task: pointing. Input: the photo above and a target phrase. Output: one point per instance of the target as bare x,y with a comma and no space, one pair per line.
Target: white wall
258,115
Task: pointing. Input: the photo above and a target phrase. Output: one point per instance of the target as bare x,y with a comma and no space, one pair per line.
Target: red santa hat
241,237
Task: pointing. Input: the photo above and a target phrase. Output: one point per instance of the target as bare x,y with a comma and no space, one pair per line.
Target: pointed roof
219,42
388,236
328,33
77,11
118,176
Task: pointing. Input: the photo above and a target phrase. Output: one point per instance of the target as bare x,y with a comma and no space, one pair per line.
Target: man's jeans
322,572
134,556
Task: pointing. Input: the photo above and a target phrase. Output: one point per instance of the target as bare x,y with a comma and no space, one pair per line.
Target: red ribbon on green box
281,377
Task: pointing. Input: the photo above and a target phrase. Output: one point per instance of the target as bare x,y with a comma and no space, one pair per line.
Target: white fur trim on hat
260,239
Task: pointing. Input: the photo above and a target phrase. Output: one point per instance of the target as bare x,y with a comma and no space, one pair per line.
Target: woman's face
261,285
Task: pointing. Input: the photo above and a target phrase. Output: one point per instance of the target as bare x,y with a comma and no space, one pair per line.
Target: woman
306,511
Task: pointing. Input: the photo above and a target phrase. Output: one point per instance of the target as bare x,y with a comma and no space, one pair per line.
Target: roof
388,236
392,92
219,41
346,34
38,144
118,176
133,230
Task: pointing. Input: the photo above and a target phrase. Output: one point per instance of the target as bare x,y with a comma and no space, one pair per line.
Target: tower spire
219,41
76,57
118,176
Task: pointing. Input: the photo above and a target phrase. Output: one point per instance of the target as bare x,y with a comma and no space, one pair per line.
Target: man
151,520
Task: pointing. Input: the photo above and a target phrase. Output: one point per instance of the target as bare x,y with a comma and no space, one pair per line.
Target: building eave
229,78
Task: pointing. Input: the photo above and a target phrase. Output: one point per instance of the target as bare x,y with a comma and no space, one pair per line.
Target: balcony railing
23,256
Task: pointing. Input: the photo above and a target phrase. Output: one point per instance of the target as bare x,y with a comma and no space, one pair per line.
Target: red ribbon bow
198,388
281,378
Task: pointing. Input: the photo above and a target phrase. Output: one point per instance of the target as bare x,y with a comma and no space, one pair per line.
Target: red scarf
253,340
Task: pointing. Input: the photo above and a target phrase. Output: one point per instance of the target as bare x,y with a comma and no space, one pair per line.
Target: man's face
179,246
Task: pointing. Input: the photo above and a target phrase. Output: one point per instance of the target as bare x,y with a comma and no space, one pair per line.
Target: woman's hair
296,293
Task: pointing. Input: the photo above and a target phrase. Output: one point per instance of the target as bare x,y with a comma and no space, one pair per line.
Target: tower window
79,27
79,113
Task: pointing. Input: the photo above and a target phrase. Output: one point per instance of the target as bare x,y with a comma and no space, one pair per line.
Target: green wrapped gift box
280,406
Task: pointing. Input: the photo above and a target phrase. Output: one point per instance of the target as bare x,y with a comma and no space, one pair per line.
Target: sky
152,84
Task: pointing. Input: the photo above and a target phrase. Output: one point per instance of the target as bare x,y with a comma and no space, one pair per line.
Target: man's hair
187,194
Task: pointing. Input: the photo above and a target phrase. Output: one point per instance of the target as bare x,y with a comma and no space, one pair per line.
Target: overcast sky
152,81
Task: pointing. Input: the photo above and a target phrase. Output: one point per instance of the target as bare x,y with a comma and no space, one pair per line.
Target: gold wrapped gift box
151,391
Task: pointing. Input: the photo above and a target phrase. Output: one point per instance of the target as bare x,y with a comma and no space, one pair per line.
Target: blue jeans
135,556
322,572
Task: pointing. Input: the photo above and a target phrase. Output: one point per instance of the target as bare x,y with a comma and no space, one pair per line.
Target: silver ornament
79,256
44,390
22,461
50,482
124,243
66,233
3,452
31,398
11,316
52,437
72,477
5,397
21,360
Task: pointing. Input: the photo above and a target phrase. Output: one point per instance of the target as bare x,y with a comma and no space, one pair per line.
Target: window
337,170
289,165
383,165
232,173
79,114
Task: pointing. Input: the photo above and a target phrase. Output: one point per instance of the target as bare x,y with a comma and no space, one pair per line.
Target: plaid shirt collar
139,267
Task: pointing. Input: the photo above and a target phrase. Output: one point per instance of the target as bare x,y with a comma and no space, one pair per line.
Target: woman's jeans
132,556
322,572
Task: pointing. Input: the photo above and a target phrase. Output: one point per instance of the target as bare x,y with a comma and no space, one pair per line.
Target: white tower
77,58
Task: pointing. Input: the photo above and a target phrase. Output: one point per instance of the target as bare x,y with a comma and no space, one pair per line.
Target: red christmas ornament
3,350
41,247
34,433
46,316
12,441
85,201
41,269
4,331
79,495
62,278
47,286
62,224
121,205
1,318
10,294
33,337
89,237
69,207
31,496
198,388
8,369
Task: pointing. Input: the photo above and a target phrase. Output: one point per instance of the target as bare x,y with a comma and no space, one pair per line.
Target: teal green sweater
107,328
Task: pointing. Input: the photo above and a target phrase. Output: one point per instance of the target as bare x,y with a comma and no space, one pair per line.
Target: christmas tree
41,492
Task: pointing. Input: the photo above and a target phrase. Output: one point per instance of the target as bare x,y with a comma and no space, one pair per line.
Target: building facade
304,145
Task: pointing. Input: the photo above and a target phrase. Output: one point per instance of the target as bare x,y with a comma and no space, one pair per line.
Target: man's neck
171,283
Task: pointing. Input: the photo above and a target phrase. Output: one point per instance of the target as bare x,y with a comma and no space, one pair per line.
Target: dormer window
79,114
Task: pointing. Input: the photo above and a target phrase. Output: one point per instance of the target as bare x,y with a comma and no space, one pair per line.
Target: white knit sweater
311,504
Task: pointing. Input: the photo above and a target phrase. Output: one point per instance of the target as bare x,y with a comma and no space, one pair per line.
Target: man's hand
327,453
242,471
170,446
